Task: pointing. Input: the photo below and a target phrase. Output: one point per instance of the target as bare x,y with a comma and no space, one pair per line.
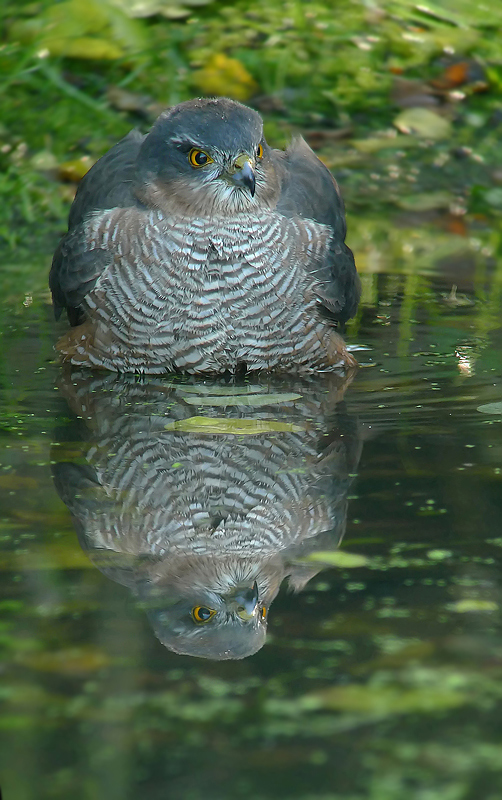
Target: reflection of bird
199,248
201,522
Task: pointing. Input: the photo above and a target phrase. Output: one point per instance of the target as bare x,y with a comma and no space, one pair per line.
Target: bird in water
198,248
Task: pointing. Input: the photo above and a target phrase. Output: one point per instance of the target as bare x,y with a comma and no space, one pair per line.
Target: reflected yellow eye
264,613
201,614
198,158
259,151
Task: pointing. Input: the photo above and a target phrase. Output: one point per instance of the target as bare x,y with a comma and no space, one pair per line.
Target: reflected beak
245,602
243,175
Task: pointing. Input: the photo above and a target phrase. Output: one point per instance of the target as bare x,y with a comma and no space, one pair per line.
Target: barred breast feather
204,295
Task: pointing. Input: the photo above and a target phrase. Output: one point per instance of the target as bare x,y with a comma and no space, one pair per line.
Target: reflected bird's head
211,607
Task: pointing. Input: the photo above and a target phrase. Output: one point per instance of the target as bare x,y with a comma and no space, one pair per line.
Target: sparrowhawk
204,517
199,248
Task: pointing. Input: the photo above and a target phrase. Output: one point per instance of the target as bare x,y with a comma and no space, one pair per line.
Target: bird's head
211,607
207,157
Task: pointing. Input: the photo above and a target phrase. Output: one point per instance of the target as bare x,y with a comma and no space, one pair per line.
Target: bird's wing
340,286
309,191
108,184
76,267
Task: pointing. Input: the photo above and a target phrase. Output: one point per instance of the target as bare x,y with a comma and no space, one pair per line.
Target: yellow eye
201,614
259,151
198,158
264,613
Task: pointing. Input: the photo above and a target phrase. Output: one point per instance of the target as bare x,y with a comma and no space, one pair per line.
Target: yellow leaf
339,558
75,169
89,29
247,427
468,606
423,122
385,700
225,76
72,661
13,482
90,47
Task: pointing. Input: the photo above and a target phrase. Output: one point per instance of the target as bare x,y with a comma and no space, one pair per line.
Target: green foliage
80,29
301,63
171,9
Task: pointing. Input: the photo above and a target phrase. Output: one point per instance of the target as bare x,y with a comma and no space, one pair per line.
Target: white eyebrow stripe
186,141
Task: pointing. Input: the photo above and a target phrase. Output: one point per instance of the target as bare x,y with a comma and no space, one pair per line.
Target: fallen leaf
166,8
225,76
44,161
491,408
88,47
255,400
386,700
339,558
424,123
71,661
123,100
412,93
82,29
460,73
426,201
75,169
13,482
467,606
494,197
246,427
376,143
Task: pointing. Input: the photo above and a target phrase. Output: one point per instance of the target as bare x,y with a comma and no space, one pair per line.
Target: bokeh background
382,678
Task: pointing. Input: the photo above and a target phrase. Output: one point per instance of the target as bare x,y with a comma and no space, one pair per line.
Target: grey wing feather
309,191
108,184
75,269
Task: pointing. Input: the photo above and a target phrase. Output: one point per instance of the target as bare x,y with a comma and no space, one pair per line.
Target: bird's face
207,158
211,607
211,625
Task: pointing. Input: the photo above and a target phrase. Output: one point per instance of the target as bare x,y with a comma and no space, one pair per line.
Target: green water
381,677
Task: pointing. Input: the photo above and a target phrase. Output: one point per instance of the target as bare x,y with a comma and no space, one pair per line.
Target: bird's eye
263,613
198,158
201,614
259,151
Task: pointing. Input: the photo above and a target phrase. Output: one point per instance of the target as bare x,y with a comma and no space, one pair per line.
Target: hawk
198,248
204,517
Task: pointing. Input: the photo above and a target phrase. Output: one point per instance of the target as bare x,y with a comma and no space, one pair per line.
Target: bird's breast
206,294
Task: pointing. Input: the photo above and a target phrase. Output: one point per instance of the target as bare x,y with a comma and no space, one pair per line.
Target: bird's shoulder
308,189
77,262
110,182
310,192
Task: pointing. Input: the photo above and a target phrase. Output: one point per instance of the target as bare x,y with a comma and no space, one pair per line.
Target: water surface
376,673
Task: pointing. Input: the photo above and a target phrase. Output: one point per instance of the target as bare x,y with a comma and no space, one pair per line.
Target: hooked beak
242,173
245,602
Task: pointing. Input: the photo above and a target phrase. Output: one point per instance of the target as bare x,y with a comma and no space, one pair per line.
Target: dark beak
245,177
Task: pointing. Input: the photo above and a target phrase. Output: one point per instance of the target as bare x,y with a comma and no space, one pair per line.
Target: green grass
309,66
